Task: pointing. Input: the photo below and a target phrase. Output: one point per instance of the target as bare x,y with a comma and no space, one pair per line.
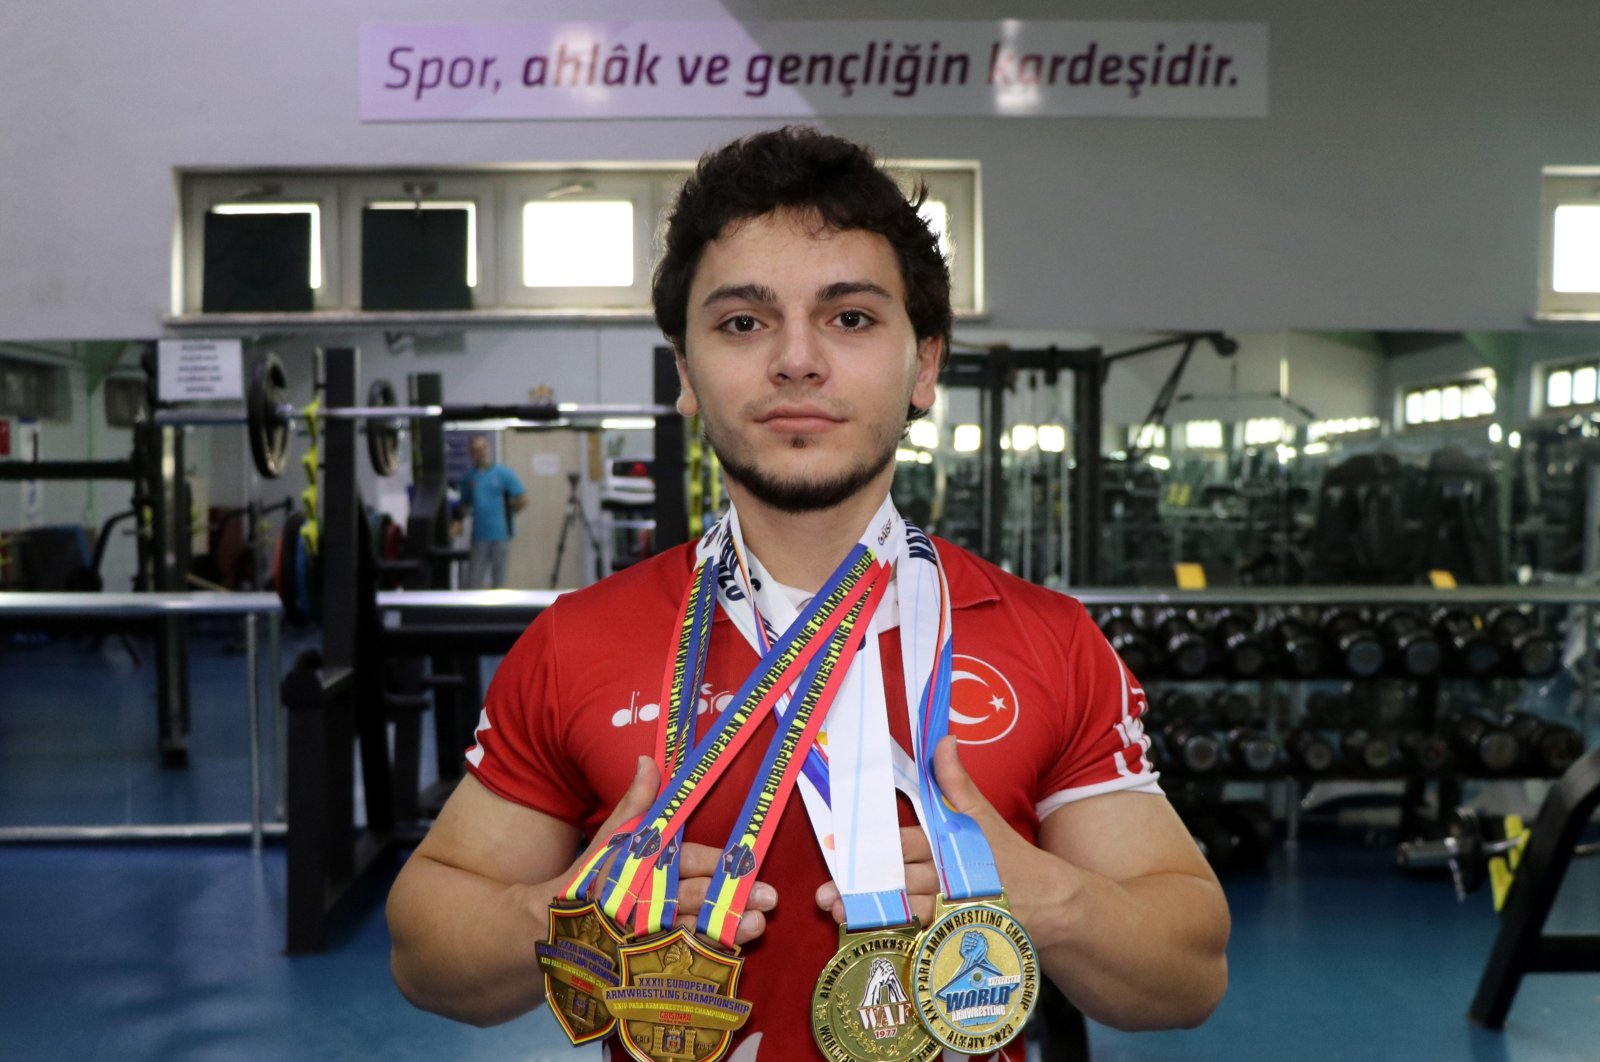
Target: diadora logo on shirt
647,713
983,705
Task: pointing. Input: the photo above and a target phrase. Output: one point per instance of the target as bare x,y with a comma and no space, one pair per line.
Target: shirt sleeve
1104,740
513,485
520,753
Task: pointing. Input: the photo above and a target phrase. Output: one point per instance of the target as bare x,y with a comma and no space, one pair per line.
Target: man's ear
930,353
688,404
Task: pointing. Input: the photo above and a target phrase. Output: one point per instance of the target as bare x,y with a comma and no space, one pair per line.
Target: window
1569,257
1568,386
33,389
1465,399
1203,435
465,244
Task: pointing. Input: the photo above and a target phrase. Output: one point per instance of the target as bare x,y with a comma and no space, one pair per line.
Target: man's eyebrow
742,293
844,288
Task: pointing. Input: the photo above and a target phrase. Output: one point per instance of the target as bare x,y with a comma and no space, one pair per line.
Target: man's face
801,360
479,446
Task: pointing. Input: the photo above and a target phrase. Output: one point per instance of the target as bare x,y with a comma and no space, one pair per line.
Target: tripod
575,514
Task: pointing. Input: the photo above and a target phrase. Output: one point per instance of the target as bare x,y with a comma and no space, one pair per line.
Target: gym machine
340,700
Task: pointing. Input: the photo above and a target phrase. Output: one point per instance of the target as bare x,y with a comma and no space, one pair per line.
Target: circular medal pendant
975,976
861,1008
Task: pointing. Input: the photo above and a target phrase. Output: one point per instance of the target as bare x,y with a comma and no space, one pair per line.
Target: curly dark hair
801,168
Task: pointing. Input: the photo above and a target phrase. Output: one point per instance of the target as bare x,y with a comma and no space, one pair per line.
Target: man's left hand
1016,859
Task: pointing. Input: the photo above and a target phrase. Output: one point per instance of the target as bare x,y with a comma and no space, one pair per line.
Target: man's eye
740,323
854,319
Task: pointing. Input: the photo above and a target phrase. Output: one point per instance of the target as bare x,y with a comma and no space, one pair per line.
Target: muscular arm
470,904
1128,918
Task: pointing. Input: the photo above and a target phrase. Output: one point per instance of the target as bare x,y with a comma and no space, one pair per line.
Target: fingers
636,800
958,787
692,896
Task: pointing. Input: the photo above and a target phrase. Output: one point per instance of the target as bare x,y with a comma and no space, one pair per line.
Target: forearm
464,944
1146,953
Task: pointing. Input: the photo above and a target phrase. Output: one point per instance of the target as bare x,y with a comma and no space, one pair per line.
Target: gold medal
675,1002
579,963
975,975
861,1009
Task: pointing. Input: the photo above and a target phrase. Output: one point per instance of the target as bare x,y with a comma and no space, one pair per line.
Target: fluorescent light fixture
1052,438
967,438
577,244
314,209
1575,251
1159,461
1432,404
1285,454
1450,406
627,423
924,433
1414,410
1315,448
1495,433
1263,431
1024,436
1514,440
906,455
444,204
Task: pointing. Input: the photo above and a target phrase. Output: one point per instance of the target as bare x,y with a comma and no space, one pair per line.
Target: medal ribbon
679,696
960,851
729,891
760,693
850,775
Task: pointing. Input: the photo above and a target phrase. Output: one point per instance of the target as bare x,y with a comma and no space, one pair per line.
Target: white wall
1394,185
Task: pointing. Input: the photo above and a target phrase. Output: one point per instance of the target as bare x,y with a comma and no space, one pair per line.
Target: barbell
1471,840
270,417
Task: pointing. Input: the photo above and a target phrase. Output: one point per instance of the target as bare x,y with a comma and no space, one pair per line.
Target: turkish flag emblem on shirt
983,705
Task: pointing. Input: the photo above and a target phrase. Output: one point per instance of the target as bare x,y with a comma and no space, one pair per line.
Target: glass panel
457,204
1432,402
577,245
1450,407
1583,385
1414,410
314,209
1558,389
1576,251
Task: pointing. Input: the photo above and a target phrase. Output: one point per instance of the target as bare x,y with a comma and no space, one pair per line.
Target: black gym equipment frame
1522,946
368,672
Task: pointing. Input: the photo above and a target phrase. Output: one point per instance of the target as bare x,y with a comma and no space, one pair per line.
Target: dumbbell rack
1427,689
1522,946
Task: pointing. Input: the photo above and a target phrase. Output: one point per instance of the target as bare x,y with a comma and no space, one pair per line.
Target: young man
492,494
810,312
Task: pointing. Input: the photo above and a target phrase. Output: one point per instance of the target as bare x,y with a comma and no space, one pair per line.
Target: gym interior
1286,368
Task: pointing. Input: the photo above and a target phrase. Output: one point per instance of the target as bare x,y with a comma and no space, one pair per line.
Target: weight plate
383,436
267,427
286,569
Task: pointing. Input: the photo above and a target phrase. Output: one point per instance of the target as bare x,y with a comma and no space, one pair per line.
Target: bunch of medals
894,991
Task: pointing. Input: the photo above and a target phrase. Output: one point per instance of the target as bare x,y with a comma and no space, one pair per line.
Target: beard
802,494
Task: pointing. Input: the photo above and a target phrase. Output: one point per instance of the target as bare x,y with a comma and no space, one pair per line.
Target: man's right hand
696,862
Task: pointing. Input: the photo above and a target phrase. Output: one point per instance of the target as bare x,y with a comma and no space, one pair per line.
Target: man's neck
802,549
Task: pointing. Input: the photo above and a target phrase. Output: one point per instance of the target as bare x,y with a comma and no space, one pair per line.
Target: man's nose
799,355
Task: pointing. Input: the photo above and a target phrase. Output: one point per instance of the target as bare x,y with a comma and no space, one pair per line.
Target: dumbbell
1311,753
1230,708
1357,650
1412,647
1548,747
1470,840
1468,649
1481,742
1190,750
1329,710
1424,753
1173,705
1179,645
1128,639
1235,644
1525,649
1295,648
1252,751
1251,831
1367,752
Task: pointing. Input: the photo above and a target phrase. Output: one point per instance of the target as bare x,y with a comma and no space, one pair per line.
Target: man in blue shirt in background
491,493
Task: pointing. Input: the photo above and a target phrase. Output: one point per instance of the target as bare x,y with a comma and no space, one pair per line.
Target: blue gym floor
174,950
